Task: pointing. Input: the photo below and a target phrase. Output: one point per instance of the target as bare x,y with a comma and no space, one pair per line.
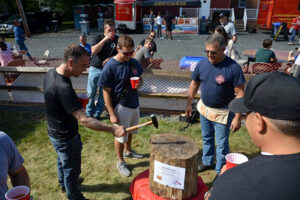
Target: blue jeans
292,38
69,165
211,130
92,109
22,46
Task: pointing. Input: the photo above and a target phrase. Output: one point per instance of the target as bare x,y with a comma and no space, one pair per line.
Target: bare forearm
192,91
108,102
98,47
20,178
96,125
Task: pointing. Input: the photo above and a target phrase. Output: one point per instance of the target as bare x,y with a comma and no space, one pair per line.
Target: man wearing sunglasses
221,80
103,47
121,100
153,48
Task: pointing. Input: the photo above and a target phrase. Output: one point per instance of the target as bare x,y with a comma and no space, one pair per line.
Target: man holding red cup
11,163
121,97
272,105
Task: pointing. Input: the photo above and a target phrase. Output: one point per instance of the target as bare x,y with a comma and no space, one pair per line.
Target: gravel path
182,45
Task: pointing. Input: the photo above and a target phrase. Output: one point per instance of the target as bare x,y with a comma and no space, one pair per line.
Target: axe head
154,120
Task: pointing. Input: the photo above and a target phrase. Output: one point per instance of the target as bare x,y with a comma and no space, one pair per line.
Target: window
242,3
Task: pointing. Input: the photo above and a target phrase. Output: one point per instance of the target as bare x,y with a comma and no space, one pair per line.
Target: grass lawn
102,179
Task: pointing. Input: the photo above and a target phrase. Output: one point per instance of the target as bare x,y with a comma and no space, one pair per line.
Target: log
173,166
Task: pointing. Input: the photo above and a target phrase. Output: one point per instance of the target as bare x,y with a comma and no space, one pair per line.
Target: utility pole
22,13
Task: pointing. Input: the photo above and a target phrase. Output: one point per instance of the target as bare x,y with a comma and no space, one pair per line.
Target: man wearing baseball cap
272,105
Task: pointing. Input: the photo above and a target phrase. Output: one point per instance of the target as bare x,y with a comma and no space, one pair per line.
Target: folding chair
44,59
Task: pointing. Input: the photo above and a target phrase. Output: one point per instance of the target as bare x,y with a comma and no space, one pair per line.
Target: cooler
189,62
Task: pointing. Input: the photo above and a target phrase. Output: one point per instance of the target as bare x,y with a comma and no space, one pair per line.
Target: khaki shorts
127,117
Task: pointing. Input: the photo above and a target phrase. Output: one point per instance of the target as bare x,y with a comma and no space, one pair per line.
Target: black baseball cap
222,15
275,95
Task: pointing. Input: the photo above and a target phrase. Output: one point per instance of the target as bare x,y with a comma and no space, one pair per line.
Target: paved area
182,45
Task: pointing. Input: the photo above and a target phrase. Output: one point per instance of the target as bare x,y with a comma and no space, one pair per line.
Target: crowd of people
272,120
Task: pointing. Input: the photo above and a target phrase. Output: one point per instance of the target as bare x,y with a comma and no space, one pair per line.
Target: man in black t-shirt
63,111
168,20
103,48
273,123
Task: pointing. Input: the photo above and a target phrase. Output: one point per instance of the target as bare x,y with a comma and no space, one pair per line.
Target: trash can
85,27
100,21
189,62
77,11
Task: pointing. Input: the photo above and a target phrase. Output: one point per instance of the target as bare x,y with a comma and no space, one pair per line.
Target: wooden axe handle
133,128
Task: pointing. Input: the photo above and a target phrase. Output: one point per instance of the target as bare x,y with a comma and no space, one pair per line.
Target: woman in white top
159,23
230,50
5,52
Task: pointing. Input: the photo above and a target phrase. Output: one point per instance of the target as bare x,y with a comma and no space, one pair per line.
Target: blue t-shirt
218,81
19,33
10,161
87,47
116,75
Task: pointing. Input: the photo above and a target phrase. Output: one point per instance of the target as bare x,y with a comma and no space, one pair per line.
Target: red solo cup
20,192
234,159
134,81
83,99
112,36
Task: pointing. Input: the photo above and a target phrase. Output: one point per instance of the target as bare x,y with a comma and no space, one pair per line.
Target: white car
6,29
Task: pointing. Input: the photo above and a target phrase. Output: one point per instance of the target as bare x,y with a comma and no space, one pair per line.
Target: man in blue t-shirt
11,163
84,44
121,100
221,81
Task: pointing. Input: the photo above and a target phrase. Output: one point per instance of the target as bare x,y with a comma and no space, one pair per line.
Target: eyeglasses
127,53
212,52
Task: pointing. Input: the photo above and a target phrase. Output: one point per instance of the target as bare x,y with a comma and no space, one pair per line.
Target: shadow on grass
140,164
107,188
18,124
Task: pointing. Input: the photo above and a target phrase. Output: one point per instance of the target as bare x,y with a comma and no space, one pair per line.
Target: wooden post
173,151
22,13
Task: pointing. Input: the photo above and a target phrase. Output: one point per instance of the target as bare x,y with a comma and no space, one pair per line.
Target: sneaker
123,168
132,154
202,168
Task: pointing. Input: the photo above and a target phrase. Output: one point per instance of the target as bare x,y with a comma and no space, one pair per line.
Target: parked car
37,22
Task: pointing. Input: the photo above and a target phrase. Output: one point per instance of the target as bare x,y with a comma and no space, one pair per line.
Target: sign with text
169,175
124,12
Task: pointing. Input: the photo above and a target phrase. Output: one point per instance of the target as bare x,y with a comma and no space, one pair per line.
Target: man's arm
236,122
95,124
98,47
19,177
109,105
191,95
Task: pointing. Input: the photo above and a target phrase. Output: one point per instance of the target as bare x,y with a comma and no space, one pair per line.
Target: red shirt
298,22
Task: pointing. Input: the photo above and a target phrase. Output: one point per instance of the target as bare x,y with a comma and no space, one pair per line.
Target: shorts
127,117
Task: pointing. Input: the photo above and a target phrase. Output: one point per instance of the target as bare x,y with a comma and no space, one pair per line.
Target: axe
153,121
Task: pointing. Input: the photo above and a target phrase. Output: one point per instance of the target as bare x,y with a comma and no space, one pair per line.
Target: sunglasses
127,53
211,52
152,36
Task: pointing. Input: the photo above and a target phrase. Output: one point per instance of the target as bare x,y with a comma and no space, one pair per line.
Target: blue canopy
171,3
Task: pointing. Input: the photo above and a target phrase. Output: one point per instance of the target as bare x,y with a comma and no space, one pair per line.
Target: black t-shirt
108,50
168,20
61,101
273,177
153,47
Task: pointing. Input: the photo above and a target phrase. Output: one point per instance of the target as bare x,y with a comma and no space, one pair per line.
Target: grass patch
102,179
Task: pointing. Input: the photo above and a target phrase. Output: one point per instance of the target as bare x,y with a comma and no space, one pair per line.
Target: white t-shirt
230,29
158,20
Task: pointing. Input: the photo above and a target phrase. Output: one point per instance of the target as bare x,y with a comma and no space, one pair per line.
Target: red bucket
83,99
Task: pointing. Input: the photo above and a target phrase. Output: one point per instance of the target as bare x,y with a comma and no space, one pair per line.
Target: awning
171,3
124,1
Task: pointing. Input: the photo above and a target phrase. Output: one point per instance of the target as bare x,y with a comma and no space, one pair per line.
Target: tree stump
169,155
